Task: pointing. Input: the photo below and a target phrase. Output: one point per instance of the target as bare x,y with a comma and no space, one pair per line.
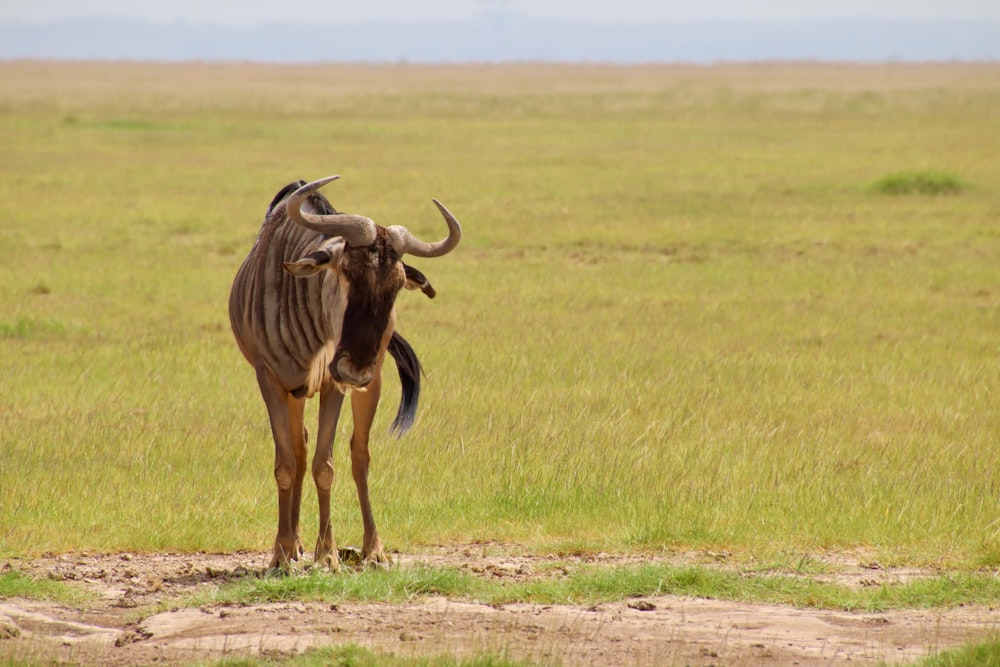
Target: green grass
677,318
603,584
984,654
395,584
14,584
920,182
29,327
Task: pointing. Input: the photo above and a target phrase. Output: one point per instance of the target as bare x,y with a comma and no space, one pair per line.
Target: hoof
325,554
380,559
377,560
328,562
283,557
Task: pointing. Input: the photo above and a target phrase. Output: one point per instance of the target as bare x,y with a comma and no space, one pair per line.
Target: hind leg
277,400
363,407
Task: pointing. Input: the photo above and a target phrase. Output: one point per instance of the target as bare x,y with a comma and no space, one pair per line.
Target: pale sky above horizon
247,12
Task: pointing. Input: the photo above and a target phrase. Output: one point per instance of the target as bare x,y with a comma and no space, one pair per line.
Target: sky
249,12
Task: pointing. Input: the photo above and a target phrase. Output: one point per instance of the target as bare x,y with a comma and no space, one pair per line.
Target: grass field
684,314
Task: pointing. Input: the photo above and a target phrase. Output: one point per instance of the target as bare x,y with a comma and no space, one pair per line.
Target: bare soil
131,620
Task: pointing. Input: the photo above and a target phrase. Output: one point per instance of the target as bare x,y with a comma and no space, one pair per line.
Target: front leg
363,407
330,401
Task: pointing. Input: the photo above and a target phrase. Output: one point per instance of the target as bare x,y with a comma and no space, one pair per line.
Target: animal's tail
409,377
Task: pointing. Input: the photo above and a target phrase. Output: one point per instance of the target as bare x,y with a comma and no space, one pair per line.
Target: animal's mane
321,203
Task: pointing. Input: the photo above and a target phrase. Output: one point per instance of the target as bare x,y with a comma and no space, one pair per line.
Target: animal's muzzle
345,373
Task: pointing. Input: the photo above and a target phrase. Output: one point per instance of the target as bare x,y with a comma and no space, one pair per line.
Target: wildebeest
313,310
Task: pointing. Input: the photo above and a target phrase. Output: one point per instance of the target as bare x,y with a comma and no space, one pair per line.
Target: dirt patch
130,621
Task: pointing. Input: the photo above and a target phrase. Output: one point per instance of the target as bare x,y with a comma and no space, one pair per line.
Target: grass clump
13,584
394,584
985,654
918,182
30,328
606,585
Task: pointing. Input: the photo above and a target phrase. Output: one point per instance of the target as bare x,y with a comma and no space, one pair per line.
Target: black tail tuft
409,377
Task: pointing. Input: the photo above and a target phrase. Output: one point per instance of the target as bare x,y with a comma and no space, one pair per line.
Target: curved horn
357,230
404,242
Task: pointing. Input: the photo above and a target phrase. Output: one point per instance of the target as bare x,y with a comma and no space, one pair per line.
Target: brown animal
312,309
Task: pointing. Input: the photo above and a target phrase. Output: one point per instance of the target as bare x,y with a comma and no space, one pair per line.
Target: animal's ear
417,280
309,265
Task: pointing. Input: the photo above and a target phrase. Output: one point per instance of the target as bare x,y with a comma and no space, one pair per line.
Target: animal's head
368,264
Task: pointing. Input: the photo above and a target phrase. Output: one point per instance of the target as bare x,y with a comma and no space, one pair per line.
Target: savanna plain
719,354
